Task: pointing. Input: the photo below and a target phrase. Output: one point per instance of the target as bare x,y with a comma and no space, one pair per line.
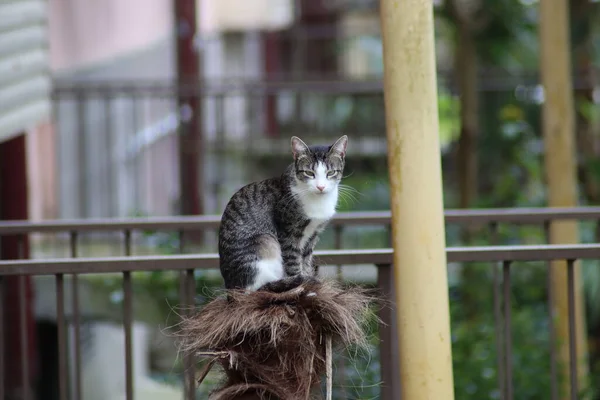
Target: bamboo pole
560,164
416,200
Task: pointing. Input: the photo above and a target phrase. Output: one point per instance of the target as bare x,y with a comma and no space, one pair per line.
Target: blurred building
115,103
91,42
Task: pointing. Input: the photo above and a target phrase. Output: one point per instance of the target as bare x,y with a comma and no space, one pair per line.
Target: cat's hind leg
269,266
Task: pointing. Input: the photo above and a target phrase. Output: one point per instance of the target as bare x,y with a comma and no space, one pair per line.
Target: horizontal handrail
323,257
319,83
181,223
220,88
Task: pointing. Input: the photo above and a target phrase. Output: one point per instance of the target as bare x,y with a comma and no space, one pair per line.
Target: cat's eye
332,173
308,174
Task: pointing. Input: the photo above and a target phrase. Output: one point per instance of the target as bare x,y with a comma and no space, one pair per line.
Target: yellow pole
560,164
416,200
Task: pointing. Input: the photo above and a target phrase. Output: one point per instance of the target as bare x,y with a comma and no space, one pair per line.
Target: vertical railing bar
127,316
181,244
183,288
127,243
498,316
341,367
220,144
552,333
183,300
388,229
190,290
2,372
394,355
572,329
190,370
136,121
76,321
23,324
507,332
81,136
62,345
337,232
183,312
127,322
24,338
109,155
388,347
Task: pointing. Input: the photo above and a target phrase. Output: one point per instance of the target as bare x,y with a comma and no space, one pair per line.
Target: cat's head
318,169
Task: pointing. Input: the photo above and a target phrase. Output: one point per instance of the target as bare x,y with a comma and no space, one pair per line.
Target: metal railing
382,258
492,218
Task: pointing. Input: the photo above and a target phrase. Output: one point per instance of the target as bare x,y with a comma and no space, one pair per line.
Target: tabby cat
270,228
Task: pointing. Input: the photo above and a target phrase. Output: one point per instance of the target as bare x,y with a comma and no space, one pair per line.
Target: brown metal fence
381,258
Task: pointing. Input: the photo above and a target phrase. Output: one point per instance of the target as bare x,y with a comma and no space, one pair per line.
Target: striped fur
269,229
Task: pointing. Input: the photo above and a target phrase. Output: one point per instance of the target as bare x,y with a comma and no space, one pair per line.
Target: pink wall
41,172
84,32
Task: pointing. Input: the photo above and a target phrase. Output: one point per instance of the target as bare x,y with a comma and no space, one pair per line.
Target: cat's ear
339,147
298,147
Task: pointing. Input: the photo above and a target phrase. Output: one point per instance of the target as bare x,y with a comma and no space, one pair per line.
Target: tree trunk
466,74
587,131
588,144
558,126
465,70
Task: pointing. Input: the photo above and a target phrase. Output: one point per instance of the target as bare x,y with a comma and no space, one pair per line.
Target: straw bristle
275,341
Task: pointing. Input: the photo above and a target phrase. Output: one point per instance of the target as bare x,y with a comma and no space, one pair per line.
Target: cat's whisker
349,193
348,199
349,188
344,195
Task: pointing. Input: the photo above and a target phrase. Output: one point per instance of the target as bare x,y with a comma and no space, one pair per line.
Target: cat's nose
321,188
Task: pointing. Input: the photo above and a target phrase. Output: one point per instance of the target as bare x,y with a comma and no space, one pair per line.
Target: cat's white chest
319,209
310,230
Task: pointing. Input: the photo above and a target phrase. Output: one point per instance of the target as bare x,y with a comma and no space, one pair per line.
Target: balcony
126,245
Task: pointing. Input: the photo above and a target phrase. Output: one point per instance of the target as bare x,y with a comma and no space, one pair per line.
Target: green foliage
512,172
499,27
357,371
474,335
448,109
507,22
